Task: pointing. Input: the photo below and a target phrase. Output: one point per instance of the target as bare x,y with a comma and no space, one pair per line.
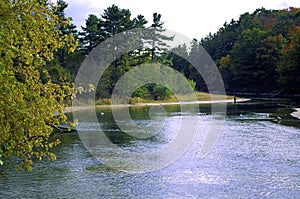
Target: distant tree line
258,53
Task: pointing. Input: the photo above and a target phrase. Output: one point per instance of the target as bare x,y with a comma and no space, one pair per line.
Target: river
256,156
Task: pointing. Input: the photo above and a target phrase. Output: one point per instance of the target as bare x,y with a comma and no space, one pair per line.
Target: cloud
193,18
292,3
79,11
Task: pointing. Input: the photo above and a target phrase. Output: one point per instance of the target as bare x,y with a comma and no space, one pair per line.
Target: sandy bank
78,108
296,113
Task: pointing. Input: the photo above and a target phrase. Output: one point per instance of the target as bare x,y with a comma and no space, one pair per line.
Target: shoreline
296,114
86,107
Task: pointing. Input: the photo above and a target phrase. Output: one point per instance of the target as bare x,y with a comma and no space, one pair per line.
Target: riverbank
193,102
86,107
296,113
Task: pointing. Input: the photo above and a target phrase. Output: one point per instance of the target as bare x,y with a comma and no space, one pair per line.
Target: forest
258,54
41,51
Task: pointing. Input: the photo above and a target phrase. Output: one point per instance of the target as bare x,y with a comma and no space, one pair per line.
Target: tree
156,39
67,29
194,75
73,62
29,38
225,68
246,67
288,19
289,65
267,58
116,20
92,34
58,67
178,62
220,44
141,55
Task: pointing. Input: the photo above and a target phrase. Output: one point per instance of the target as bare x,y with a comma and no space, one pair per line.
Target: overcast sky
192,18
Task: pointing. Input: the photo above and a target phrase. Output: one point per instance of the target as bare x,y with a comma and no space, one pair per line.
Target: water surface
257,156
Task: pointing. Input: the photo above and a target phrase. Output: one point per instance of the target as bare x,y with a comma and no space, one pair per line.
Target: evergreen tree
156,39
67,29
116,20
92,34
194,75
248,75
141,55
220,44
113,21
179,63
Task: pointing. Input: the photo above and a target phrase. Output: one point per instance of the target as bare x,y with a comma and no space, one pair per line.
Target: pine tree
67,29
92,34
116,20
141,55
156,39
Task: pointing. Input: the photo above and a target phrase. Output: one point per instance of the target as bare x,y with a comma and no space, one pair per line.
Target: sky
191,18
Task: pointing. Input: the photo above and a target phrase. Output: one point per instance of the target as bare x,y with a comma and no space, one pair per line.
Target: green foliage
161,92
226,70
268,56
66,29
158,82
58,74
115,20
92,34
29,38
220,44
289,65
253,53
178,62
244,59
73,62
156,39
142,92
193,73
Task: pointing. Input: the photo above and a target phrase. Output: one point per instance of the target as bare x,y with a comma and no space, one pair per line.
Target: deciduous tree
289,65
29,38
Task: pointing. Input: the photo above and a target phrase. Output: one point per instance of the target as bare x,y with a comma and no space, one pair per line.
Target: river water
256,156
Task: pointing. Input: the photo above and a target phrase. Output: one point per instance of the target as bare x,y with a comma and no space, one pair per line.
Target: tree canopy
29,38
259,52
249,52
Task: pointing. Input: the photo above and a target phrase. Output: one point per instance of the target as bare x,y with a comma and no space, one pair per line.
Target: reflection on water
256,156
